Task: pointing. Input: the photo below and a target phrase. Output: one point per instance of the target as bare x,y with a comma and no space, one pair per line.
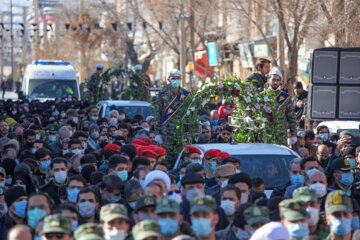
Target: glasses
174,192
51,235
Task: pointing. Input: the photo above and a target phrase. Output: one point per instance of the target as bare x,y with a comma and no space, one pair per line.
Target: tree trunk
130,51
293,64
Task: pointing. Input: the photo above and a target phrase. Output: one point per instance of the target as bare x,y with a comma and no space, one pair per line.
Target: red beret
112,147
142,141
159,150
223,155
191,149
147,152
211,153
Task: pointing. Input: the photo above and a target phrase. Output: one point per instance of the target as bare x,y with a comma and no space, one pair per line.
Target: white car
339,126
271,162
130,107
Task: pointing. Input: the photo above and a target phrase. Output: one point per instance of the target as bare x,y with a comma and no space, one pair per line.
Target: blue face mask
213,166
52,138
114,199
214,122
308,172
340,226
72,194
45,164
123,175
34,215
202,227
297,179
20,208
38,237
324,137
175,83
33,150
142,183
74,225
57,113
94,118
355,224
168,226
347,178
8,181
298,230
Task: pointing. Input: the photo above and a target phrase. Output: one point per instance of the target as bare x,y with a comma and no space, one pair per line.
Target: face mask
176,197
56,113
320,189
355,223
4,210
241,234
34,215
20,185
314,215
309,172
142,183
52,138
60,176
38,237
175,83
72,194
74,225
87,209
37,137
113,120
196,161
20,208
194,193
297,179
85,145
324,136
298,230
202,227
94,118
244,198
347,178
147,216
114,234
121,117
8,181
45,165
168,226
340,226
147,129
132,204
228,206
75,120
33,150
123,175
76,151
214,122
95,135
114,199
224,183
13,112
30,144
63,115
213,166
237,171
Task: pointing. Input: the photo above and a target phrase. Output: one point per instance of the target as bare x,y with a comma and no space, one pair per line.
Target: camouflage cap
167,206
337,201
90,236
52,128
145,201
145,229
2,190
254,215
56,223
88,229
293,210
203,203
3,172
305,194
113,211
341,163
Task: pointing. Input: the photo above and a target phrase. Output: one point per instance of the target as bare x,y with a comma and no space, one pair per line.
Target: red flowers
235,92
271,119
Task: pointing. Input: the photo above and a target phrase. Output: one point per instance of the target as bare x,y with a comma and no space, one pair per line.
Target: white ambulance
50,79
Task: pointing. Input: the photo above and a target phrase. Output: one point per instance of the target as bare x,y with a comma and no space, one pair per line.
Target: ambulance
50,79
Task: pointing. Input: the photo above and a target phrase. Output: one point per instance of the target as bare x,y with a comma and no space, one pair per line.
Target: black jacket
52,189
300,111
259,83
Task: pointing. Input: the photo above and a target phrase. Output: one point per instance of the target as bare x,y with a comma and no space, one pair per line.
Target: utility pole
192,40
82,49
23,41
280,49
12,42
182,19
37,26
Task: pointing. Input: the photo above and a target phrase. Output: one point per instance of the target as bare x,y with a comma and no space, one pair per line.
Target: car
271,162
131,107
339,126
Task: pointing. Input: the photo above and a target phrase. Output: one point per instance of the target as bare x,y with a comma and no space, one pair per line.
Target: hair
42,152
226,128
74,141
86,190
232,187
320,128
79,133
295,161
155,184
163,163
28,133
117,159
194,167
58,160
260,62
78,178
140,160
309,134
111,183
131,187
123,126
49,200
138,170
257,181
308,159
230,160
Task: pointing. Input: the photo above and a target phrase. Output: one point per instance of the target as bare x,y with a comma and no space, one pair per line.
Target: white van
50,79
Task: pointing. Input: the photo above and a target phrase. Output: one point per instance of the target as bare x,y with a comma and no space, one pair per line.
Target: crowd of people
66,173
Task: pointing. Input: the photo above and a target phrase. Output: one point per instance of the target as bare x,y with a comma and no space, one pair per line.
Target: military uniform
146,229
113,211
89,231
286,112
167,129
255,215
56,223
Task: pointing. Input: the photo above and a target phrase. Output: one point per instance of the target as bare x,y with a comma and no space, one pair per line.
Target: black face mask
30,144
102,144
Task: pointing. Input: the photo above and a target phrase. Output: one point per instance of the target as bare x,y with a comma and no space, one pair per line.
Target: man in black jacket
262,69
300,104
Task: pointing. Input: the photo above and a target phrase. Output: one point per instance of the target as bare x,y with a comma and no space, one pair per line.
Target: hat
145,201
113,211
222,155
9,165
192,177
137,67
254,215
240,177
3,190
3,172
56,223
10,121
159,151
298,85
211,153
305,194
149,118
147,152
88,158
167,206
337,201
293,210
158,175
341,163
99,66
146,229
271,230
87,229
225,170
52,128
90,236
112,147
203,203
191,149
175,73
129,150
276,71
144,141
13,194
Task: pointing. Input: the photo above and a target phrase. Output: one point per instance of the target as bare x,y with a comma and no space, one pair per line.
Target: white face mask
114,234
121,117
65,152
194,193
86,209
314,215
244,198
228,206
76,151
224,183
113,120
75,120
320,189
176,197
60,176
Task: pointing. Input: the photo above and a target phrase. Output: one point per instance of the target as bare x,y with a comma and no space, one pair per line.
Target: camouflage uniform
89,231
146,229
254,215
167,130
287,113
293,210
56,223
113,211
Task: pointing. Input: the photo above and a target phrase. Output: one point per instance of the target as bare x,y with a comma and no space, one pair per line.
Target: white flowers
192,109
135,84
237,86
247,99
248,120
266,99
188,113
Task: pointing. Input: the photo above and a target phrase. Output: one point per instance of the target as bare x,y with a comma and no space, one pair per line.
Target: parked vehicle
130,107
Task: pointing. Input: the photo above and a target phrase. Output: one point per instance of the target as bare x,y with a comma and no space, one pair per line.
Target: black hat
240,177
88,158
9,165
14,193
192,177
298,85
129,150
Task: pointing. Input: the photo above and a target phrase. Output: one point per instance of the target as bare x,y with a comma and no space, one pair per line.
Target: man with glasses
57,227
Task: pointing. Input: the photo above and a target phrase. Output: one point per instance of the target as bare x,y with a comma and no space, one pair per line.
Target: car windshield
133,110
49,88
272,168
